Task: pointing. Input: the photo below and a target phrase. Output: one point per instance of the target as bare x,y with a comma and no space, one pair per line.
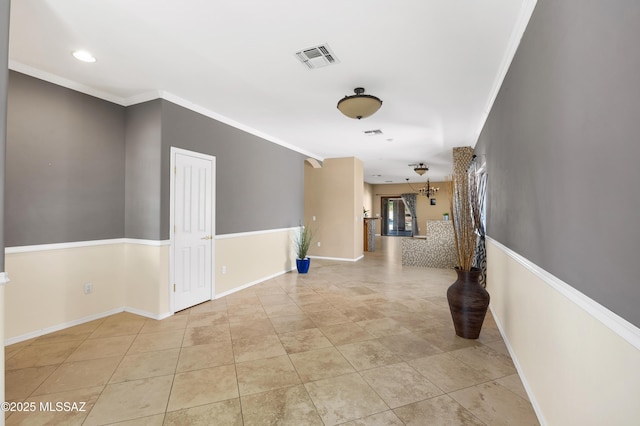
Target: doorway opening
396,218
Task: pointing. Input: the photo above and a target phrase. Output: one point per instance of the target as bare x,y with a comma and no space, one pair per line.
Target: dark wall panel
4,77
65,165
259,184
143,130
562,150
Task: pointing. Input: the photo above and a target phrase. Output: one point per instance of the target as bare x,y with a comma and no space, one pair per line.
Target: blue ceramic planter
303,265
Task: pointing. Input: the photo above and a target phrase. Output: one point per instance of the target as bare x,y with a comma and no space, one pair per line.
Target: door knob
207,237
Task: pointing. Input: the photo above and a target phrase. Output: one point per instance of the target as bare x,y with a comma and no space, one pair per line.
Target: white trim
152,95
526,11
4,278
221,118
62,246
523,378
341,259
251,233
69,84
147,314
80,244
252,283
47,330
153,243
614,322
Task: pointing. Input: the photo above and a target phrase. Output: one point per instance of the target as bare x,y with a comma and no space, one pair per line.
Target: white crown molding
526,10
149,96
614,322
226,120
69,84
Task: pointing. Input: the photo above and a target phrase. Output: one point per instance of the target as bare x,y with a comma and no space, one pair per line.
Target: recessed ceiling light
84,56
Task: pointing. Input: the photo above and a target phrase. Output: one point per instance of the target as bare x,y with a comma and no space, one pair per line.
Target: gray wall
259,185
84,169
4,76
562,150
143,172
65,165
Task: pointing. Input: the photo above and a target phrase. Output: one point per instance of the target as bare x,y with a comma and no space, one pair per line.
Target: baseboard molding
523,378
47,330
147,314
340,259
614,322
58,327
252,283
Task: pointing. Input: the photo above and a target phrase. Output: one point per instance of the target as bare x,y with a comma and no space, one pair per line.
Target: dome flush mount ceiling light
359,105
84,56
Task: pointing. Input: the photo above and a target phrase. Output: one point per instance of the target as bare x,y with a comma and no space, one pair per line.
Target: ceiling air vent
373,132
317,56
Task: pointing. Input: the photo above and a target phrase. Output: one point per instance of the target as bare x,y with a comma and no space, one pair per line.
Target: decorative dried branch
465,214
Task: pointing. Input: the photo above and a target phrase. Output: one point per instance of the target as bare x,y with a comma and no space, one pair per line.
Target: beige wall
147,279
367,198
46,292
424,209
334,196
578,361
252,257
47,287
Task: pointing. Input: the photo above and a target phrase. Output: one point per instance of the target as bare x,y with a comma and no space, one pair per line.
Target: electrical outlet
224,269
88,288
318,243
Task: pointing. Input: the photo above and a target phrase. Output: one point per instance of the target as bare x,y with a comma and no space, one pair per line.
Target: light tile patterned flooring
364,343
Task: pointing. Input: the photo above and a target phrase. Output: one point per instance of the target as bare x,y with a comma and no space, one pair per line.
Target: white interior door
192,243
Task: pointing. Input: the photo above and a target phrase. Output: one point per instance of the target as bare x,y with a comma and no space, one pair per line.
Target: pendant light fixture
427,190
359,105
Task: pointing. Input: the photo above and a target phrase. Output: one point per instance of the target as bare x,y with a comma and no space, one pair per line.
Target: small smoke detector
317,56
373,132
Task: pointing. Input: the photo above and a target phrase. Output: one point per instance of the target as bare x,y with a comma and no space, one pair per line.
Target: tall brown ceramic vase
468,303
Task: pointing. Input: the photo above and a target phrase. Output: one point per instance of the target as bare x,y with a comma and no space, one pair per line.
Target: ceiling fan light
359,105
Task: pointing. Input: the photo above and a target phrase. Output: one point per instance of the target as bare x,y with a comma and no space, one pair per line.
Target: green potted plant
445,216
468,299
302,243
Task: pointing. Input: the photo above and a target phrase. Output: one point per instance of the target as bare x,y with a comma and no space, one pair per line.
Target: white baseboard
252,283
523,379
148,314
340,259
58,327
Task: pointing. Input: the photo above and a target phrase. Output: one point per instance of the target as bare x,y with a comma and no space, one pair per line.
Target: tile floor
364,343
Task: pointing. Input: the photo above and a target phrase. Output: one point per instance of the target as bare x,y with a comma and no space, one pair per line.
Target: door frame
172,179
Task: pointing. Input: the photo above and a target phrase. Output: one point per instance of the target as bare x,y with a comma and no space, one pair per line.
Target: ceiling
436,65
